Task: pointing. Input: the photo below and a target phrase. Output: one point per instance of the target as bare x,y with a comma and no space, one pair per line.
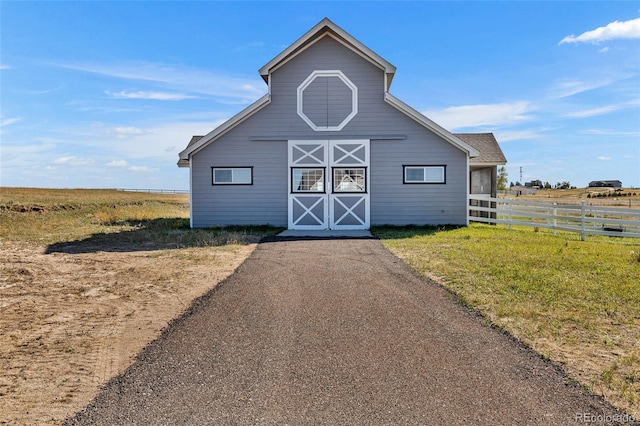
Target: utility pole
521,182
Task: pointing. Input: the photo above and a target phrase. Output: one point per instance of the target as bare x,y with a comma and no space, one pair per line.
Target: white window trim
346,81
340,191
309,191
233,169
424,174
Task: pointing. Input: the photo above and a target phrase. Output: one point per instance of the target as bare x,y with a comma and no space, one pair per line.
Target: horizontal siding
265,202
393,202
326,54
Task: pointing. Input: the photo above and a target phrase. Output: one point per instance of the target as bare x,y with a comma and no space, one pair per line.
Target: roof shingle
487,144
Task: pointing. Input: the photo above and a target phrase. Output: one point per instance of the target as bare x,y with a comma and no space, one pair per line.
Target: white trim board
225,127
346,39
431,125
327,73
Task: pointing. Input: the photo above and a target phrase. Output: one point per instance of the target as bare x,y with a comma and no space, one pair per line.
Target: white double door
328,184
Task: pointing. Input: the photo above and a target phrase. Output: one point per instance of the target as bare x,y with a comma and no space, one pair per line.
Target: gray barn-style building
328,147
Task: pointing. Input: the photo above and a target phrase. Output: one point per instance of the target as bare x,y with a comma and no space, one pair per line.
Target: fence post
582,220
509,215
555,220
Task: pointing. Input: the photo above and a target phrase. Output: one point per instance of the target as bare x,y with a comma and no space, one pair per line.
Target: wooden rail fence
583,219
156,191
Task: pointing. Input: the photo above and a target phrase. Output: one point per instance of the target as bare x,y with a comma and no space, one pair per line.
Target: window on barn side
232,175
424,174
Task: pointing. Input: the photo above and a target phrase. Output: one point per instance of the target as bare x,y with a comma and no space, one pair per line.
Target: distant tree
547,185
511,185
502,178
563,185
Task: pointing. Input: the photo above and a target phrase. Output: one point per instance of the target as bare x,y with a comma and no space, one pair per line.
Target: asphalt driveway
336,332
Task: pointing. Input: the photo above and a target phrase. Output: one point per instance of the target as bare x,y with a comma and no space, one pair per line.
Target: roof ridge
321,29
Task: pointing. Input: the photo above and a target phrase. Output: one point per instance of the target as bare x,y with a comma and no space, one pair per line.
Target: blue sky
105,94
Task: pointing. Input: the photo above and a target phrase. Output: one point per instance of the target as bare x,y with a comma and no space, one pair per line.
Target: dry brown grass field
87,279
625,197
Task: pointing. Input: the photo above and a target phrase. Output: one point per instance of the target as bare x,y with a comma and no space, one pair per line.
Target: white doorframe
315,203
308,209
349,209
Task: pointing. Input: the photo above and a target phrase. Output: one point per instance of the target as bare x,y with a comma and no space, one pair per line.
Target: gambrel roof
325,28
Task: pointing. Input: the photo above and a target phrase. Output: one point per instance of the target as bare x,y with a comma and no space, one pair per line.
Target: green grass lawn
576,302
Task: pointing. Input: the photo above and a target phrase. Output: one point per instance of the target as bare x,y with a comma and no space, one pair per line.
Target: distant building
522,190
605,184
534,184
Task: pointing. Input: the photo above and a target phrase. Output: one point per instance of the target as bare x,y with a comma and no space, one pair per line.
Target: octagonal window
327,100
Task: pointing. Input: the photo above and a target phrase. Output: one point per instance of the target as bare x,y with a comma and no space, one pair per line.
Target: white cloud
604,49
4,67
123,132
566,88
143,160
517,135
123,164
74,161
603,158
157,96
8,121
593,112
603,110
118,164
481,115
614,30
144,169
160,142
181,78
569,88
157,143
606,132
23,154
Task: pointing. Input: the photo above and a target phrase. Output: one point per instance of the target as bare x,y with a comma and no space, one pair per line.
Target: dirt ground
70,321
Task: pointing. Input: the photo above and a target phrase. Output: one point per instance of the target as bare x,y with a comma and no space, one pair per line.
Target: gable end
326,28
